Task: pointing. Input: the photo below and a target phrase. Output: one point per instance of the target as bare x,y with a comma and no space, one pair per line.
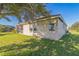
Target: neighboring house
44,27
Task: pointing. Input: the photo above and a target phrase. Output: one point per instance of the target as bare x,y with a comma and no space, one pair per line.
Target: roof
53,16
46,17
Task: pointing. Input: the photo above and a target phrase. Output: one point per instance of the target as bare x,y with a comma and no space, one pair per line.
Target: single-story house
51,27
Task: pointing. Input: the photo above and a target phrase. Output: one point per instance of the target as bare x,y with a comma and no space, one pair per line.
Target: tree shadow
2,34
66,46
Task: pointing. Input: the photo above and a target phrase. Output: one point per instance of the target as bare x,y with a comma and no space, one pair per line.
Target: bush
14,31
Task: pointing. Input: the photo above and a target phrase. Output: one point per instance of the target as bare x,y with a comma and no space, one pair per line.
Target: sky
69,11
13,21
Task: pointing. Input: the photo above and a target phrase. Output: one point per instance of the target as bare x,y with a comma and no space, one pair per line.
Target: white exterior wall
26,30
43,31
62,28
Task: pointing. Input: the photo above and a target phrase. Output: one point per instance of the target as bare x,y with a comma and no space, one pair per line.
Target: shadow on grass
2,34
68,45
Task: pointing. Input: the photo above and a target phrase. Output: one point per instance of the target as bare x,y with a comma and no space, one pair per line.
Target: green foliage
12,44
30,11
14,31
6,28
75,27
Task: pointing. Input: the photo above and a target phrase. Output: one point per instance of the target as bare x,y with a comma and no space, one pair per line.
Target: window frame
51,26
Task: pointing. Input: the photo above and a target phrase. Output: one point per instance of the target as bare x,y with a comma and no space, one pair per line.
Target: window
51,26
35,29
32,28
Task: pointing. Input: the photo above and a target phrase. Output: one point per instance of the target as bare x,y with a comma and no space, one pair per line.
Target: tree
75,26
3,15
30,11
6,28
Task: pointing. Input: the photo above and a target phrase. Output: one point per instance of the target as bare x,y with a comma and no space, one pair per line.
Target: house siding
43,30
61,29
26,30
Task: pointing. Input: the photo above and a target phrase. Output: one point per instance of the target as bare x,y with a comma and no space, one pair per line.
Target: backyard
12,44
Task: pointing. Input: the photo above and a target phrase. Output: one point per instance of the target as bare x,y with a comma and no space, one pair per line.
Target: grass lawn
20,45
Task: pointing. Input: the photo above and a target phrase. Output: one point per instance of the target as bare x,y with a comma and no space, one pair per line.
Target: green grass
20,45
